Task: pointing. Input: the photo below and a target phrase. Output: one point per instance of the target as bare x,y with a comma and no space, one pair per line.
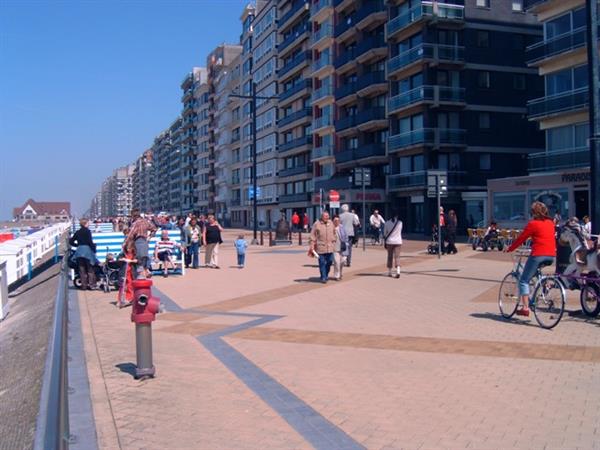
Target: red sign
334,196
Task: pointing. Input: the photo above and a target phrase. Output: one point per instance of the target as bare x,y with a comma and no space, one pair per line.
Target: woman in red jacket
543,249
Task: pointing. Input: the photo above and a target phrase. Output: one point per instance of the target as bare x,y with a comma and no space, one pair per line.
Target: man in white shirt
348,221
377,222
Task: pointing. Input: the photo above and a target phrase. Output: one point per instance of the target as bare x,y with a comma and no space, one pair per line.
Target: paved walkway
266,358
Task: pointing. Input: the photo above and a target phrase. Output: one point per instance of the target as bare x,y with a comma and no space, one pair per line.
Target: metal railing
555,46
569,158
437,52
52,425
559,103
424,10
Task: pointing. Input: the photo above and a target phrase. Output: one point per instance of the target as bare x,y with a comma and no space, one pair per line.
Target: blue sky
86,85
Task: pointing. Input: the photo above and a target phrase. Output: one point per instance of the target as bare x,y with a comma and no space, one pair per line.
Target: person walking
543,249
240,248
348,221
305,222
442,230
140,232
341,248
85,255
451,225
322,240
193,242
212,239
377,222
357,227
392,240
295,221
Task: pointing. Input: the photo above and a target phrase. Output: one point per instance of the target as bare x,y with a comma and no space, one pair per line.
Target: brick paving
265,358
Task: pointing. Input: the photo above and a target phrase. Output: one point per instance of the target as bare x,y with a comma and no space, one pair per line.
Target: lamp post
594,104
253,97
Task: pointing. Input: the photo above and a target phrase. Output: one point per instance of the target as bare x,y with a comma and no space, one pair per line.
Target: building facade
142,180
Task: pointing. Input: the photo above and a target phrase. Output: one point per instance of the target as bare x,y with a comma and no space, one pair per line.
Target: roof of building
44,208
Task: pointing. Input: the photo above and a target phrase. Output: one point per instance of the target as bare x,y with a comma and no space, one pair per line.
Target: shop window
509,206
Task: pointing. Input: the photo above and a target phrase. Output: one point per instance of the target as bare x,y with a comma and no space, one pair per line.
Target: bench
112,243
104,227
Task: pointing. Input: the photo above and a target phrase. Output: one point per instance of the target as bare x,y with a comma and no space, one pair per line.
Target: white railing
21,254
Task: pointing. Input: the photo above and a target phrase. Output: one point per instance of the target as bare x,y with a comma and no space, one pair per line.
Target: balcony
293,37
431,52
426,10
360,119
372,45
235,202
427,136
345,90
369,81
429,94
323,33
299,142
187,81
324,91
345,57
558,104
323,152
298,170
556,46
321,63
364,152
570,158
406,180
333,183
294,198
322,122
296,61
304,112
298,87
320,8
294,12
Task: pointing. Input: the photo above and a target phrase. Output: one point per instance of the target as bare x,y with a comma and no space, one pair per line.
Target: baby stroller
434,246
107,275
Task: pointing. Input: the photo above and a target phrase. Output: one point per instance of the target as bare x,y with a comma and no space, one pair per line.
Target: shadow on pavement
127,368
308,280
499,318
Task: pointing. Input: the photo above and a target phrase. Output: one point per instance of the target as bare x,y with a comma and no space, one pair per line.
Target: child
111,262
163,250
240,247
126,258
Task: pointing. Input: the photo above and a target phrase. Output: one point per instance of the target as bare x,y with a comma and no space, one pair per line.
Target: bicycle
547,300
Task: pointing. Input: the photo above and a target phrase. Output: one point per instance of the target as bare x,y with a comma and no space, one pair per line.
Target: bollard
270,238
55,249
143,313
262,240
300,238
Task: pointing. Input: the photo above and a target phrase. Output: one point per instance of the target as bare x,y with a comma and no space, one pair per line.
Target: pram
434,246
107,275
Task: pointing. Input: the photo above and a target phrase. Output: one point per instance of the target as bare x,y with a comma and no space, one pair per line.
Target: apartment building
142,181
560,175
190,136
202,166
458,87
295,111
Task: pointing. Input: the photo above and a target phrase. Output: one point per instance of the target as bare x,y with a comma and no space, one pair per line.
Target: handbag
389,234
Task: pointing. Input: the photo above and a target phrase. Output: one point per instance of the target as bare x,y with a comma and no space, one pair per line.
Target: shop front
566,194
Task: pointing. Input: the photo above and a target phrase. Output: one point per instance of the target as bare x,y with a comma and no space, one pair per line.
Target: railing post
270,238
55,249
262,240
300,238
29,266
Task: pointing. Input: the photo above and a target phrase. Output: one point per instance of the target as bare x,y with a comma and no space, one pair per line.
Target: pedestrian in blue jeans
322,242
193,240
240,248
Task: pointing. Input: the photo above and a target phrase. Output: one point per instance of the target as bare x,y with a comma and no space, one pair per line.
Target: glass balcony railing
292,37
322,122
294,62
295,143
297,6
326,31
368,8
321,92
406,180
319,5
427,136
557,45
298,170
363,152
345,90
360,118
304,112
292,198
560,103
298,87
569,158
436,52
325,151
531,3
345,57
424,10
369,79
324,61
426,93
370,43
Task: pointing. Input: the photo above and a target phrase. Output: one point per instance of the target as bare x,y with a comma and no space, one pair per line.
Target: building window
483,3
519,82
483,80
484,121
485,161
517,5
483,39
509,206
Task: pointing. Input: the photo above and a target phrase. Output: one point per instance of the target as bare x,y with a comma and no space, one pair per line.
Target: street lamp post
253,97
594,103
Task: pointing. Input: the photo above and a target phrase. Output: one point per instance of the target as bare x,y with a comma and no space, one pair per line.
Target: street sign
334,196
433,178
360,173
334,205
251,192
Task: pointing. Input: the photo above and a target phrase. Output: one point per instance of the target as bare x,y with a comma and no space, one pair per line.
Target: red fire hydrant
143,312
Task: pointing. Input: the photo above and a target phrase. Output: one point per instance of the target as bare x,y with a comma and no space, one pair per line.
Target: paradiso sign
577,177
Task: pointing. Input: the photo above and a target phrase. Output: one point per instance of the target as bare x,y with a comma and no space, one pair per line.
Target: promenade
268,358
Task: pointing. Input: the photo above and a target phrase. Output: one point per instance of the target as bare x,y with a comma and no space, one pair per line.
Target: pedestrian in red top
543,249
295,221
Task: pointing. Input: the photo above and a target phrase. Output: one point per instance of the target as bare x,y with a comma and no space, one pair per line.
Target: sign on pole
360,174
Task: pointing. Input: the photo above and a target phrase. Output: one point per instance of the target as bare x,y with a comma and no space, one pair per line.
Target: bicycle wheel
548,302
508,296
590,300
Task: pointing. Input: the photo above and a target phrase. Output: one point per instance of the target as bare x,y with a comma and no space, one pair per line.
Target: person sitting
491,232
111,262
163,251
